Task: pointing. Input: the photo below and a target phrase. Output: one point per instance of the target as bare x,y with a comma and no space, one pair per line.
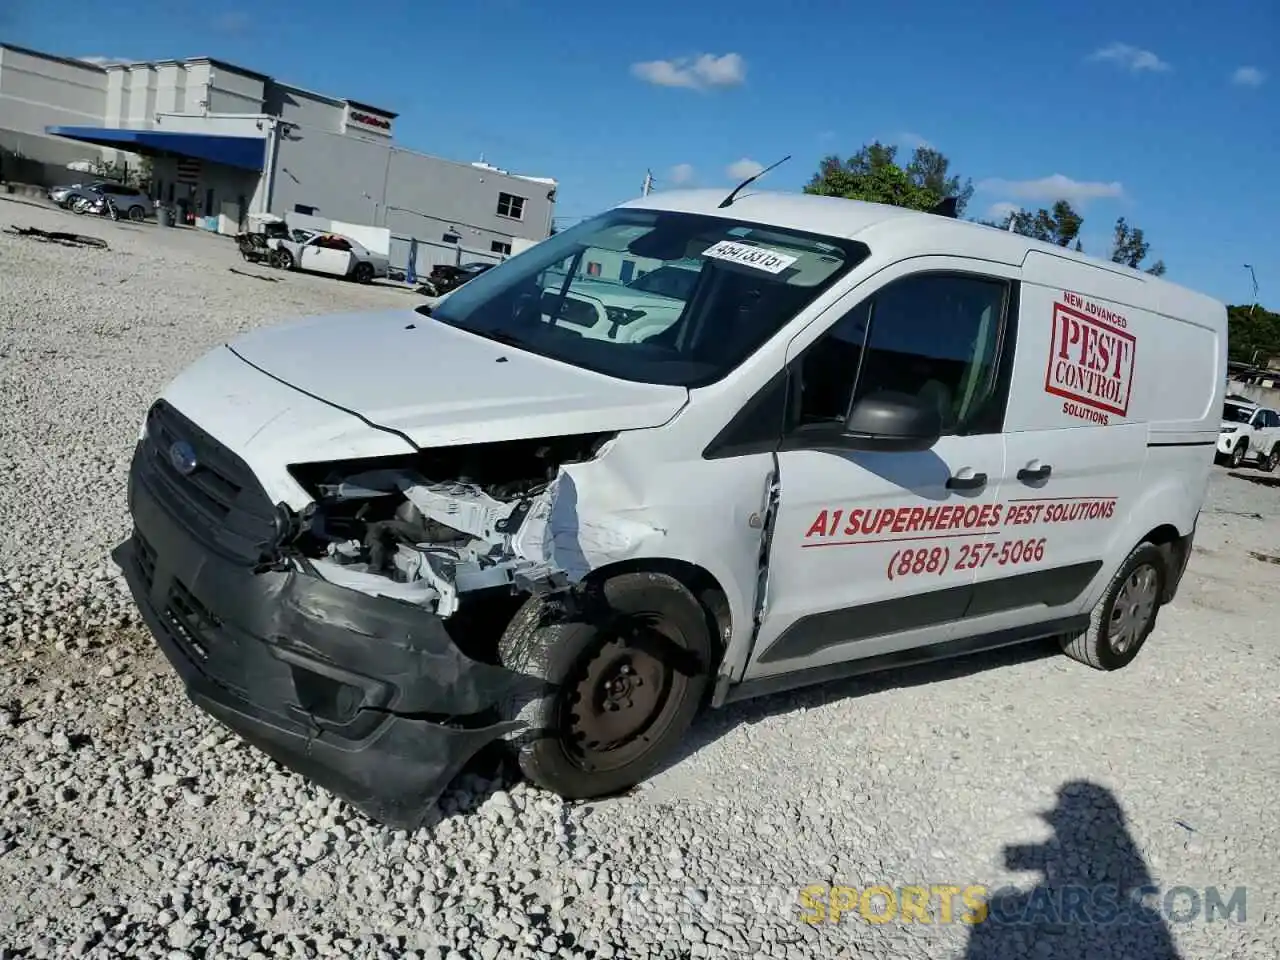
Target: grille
220,502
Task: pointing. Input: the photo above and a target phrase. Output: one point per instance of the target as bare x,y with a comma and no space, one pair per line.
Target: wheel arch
699,581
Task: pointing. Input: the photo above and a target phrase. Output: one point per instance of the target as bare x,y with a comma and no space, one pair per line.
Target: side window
937,336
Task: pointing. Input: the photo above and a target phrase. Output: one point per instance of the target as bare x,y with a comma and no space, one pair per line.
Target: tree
1061,225
1252,330
1130,248
874,174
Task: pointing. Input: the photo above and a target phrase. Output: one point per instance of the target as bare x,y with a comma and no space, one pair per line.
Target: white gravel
131,825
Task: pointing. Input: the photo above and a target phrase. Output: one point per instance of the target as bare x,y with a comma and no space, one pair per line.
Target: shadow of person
1096,901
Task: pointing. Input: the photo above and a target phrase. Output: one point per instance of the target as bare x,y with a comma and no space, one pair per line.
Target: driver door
331,255
876,552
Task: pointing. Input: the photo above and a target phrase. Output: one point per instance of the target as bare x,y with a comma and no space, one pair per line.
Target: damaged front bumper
368,697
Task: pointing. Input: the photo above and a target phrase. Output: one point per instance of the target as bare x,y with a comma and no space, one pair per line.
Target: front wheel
619,683
281,259
1126,614
137,214
1237,455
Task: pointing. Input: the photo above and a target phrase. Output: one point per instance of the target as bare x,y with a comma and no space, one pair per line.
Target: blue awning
247,153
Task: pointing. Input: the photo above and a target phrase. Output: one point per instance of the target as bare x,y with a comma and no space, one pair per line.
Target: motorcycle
101,205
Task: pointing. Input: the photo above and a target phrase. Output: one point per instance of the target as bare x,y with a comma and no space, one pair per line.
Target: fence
432,252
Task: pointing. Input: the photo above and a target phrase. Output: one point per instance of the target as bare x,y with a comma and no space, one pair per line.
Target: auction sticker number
747,255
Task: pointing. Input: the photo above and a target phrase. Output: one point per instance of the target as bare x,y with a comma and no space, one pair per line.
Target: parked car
1249,432
130,201
447,277
328,253
374,543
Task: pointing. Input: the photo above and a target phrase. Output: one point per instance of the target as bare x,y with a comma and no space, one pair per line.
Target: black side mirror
898,422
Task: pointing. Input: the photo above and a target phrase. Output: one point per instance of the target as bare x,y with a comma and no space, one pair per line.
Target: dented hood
438,385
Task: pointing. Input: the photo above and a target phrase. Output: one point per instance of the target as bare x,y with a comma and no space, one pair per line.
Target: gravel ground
131,825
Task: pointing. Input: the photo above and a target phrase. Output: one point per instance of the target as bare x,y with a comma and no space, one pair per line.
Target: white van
373,544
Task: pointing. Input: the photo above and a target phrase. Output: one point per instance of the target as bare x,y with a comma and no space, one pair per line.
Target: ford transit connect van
373,544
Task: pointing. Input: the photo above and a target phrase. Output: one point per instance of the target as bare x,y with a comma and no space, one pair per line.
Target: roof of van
872,222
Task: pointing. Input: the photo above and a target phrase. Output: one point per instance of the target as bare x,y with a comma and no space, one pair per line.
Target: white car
373,543
1249,432
629,312
328,253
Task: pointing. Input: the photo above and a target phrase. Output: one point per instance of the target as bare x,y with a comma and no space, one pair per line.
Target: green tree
1253,333
874,174
1061,225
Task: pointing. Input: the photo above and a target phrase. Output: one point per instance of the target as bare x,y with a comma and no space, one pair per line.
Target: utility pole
648,182
1254,277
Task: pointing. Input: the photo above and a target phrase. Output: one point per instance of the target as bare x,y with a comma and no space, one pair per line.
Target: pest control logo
183,457
1091,356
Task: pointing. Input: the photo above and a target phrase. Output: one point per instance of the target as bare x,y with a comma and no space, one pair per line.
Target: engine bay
431,528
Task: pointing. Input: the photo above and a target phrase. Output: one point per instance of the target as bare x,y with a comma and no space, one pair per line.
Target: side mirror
890,421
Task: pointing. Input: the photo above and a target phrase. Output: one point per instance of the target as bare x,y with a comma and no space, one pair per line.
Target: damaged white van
545,514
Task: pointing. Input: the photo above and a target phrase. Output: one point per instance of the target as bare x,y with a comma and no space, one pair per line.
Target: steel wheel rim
1132,609
620,700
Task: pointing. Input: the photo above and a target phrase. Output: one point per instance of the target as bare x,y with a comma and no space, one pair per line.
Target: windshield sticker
1091,358
749,256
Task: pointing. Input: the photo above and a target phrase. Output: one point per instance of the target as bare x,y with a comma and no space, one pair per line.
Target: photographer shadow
1088,904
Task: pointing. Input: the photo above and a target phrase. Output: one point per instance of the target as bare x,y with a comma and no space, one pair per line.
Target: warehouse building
226,142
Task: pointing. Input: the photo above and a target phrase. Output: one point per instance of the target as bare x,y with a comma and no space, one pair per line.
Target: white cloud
104,61
1248,77
1055,187
741,169
998,211
1133,59
911,140
681,173
698,73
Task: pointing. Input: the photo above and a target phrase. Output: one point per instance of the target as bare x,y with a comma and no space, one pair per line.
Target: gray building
225,142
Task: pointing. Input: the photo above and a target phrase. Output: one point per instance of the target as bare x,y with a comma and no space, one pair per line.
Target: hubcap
1133,608
619,701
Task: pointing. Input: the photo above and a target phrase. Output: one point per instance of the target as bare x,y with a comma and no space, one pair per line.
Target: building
225,142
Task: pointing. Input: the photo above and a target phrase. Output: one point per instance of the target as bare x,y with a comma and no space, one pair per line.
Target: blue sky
1165,113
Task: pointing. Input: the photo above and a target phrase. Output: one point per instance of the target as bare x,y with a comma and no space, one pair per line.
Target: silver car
130,201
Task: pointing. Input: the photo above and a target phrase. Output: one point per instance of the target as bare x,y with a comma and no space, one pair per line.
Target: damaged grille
217,498
185,618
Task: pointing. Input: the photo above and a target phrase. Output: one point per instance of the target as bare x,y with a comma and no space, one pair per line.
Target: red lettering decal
852,526
957,518
886,520
834,525
900,519
995,515
1109,509
917,514
971,516
984,516
818,527
930,521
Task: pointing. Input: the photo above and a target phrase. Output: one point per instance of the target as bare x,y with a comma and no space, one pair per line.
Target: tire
1237,454
363,273
281,259
1273,459
80,205
640,650
137,214
1131,600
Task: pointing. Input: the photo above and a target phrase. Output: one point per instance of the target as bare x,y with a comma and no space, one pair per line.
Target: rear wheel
363,273
1126,614
137,214
621,682
1273,459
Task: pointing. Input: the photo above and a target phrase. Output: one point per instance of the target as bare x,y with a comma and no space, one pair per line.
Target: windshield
651,296
1234,413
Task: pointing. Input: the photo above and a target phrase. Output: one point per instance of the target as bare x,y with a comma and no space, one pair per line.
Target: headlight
1230,429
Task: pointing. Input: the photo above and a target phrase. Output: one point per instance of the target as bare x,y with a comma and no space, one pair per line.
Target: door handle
1030,474
972,482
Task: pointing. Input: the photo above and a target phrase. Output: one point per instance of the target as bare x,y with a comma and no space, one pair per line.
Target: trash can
163,217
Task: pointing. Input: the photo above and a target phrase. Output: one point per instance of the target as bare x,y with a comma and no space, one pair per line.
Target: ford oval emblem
183,457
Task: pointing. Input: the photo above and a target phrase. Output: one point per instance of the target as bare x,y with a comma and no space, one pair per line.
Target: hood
441,386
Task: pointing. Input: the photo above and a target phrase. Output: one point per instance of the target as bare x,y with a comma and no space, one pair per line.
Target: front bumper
368,697
1227,442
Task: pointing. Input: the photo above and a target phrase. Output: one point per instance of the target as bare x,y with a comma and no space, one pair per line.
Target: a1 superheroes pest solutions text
933,541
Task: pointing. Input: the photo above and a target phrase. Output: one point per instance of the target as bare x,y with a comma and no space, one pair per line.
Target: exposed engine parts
494,518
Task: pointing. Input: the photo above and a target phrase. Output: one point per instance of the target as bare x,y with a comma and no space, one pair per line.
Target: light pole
1254,277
